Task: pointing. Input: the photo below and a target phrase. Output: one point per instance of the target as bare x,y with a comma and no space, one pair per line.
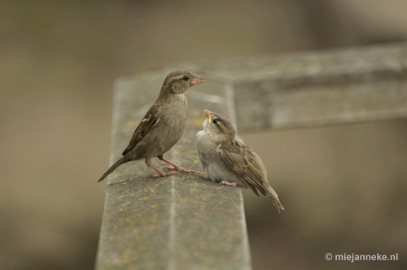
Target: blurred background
345,186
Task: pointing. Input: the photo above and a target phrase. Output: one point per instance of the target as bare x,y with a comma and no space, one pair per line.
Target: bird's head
178,82
218,125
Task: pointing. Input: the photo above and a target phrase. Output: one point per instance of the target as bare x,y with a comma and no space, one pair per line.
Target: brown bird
226,159
162,126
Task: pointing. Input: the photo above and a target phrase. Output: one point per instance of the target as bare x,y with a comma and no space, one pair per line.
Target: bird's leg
177,168
160,172
227,183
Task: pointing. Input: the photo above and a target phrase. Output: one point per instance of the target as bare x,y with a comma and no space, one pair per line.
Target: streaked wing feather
149,121
242,161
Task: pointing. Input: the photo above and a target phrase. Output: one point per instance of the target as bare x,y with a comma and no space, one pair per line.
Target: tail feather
113,167
274,198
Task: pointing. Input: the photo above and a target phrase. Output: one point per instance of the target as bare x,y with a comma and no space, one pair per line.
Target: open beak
197,80
208,115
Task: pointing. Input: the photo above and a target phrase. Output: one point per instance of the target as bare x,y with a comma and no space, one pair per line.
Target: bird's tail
113,167
274,198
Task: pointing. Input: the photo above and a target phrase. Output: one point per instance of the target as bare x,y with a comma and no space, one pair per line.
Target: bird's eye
215,121
185,78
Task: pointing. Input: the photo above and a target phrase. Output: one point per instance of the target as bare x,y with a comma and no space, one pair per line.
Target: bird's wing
245,163
149,121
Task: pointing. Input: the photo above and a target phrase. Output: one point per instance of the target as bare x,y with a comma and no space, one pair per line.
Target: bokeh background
344,186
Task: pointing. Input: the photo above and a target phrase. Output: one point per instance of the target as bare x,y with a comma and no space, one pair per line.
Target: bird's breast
207,147
213,166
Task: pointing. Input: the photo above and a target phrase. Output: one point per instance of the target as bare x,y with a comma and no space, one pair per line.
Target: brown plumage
225,158
162,126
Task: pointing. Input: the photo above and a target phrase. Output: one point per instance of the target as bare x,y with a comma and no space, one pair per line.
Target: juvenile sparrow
226,159
162,126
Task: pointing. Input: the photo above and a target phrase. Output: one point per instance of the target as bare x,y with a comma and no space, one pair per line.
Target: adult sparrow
226,159
162,126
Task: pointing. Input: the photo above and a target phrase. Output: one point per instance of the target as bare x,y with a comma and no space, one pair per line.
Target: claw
160,172
182,170
175,167
227,183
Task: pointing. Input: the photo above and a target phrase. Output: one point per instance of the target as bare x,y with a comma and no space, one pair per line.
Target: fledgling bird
226,159
162,126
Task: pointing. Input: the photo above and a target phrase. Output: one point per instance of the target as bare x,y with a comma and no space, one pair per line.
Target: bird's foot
160,172
175,167
227,183
182,170
170,168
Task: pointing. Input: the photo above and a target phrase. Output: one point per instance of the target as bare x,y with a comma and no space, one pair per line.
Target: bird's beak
208,115
197,80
